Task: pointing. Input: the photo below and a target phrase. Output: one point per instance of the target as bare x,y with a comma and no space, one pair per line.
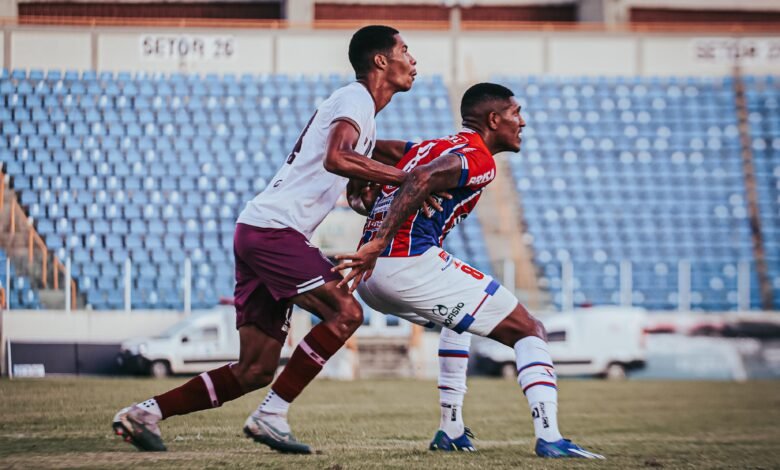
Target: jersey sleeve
477,169
355,107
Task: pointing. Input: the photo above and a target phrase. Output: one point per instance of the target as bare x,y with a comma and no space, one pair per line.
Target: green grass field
65,423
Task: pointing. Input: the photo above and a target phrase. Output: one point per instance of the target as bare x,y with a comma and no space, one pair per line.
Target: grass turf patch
65,423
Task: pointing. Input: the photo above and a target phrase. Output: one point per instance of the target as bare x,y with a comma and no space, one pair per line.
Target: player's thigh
257,307
332,304
387,308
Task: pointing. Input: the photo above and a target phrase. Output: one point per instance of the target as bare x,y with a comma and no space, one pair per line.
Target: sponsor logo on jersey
456,139
373,225
382,205
448,313
483,178
447,258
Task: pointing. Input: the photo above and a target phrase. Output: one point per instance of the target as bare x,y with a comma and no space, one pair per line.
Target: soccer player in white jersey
404,270
276,266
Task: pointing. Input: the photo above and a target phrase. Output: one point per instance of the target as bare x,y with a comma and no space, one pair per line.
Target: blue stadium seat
632,169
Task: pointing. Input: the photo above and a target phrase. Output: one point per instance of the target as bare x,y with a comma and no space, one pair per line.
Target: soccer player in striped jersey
400,267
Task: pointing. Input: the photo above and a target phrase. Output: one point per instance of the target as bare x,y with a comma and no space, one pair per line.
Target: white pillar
187,287
743,286
300,12
67,285
10,360
509,275
8,283
626,283
9,8
684,286
128,284
567,286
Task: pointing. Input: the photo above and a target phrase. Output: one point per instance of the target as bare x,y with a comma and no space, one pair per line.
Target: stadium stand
763,104
156,168
639,169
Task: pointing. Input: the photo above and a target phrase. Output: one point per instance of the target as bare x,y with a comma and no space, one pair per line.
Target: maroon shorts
272,266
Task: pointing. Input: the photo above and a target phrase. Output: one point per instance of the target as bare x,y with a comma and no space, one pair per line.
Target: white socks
274,404
536,376
151,406
451,421
453,364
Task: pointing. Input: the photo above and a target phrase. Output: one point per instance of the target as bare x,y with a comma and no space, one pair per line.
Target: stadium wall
90,329
460,57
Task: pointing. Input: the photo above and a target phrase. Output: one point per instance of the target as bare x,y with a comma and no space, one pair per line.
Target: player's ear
380,61
493,118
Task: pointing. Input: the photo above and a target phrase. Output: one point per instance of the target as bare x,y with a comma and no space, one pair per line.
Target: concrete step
52,299
384,357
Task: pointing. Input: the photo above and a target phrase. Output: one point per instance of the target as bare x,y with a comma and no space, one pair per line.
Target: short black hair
367,42
481,93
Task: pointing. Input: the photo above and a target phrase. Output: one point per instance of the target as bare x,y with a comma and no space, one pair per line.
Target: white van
199,343
209,339
598,341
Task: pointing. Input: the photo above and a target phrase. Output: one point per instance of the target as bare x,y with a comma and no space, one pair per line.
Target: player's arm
441,174
390,152
341,158
361,195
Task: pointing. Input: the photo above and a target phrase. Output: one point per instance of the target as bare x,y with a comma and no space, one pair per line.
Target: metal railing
26,247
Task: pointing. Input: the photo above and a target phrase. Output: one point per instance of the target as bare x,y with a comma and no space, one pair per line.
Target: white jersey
302,192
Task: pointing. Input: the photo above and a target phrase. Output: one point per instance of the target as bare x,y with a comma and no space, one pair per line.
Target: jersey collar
474,138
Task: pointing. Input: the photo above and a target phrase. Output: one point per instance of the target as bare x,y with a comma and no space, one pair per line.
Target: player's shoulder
353,93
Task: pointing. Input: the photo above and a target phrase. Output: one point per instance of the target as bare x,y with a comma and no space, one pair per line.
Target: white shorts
437,288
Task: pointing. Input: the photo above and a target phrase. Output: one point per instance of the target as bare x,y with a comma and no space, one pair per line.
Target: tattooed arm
439,175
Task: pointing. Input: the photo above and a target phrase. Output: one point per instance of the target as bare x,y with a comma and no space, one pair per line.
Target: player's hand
362,263
432,203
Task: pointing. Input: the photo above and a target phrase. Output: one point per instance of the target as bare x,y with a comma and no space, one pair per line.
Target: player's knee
530,325
540,330
254,376
518,325
350,318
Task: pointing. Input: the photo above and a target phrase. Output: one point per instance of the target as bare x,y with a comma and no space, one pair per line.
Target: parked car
199,343
598,341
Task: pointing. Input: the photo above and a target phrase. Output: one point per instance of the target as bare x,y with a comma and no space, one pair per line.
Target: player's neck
491,146
380,91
